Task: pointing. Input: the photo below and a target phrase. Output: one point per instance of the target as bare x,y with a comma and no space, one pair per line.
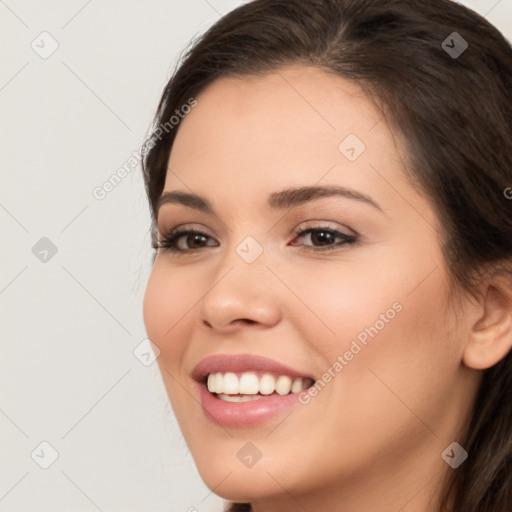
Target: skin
375,433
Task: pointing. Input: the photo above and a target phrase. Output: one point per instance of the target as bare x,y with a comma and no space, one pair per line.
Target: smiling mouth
249,386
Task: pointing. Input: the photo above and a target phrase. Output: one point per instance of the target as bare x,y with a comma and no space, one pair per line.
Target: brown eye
323,238
185,241
193,241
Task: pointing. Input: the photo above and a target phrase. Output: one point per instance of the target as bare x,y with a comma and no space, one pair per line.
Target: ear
490,338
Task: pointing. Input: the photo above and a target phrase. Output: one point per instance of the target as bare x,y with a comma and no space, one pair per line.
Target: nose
241,295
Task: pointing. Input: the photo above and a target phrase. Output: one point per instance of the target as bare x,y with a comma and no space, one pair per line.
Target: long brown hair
453,115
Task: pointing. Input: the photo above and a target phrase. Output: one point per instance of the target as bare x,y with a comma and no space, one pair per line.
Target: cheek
369,297
154,308
342,302
384,321
167,301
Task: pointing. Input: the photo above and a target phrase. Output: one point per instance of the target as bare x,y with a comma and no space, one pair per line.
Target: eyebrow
288,198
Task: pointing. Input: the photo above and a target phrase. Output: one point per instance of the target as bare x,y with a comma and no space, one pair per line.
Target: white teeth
248,385
219,382
267,384
297,385
211,382
284,385
231,386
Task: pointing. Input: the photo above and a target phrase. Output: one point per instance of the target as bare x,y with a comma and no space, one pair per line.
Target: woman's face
315,258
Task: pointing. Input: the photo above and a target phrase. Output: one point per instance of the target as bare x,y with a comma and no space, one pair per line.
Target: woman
332,287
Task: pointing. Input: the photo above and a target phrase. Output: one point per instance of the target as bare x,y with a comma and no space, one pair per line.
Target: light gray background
70,324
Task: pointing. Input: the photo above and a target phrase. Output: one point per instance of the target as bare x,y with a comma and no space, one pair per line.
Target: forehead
290,106
292,127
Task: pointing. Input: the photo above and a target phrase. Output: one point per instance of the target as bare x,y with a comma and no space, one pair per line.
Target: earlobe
490,338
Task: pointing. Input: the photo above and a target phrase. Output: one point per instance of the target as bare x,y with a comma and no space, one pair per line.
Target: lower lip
244,414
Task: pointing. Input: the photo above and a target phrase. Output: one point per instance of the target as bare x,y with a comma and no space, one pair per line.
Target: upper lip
239,363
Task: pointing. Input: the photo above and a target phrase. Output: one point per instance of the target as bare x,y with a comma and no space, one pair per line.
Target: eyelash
169,241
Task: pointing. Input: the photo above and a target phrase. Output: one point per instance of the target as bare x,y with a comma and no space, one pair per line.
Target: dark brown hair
453,116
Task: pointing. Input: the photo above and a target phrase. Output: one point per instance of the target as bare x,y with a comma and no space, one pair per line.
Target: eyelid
188,226
325,224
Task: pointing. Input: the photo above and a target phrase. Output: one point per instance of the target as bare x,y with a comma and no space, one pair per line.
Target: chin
225,474
242,485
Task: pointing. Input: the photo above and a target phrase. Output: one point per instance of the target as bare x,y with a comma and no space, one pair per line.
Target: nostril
246,321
